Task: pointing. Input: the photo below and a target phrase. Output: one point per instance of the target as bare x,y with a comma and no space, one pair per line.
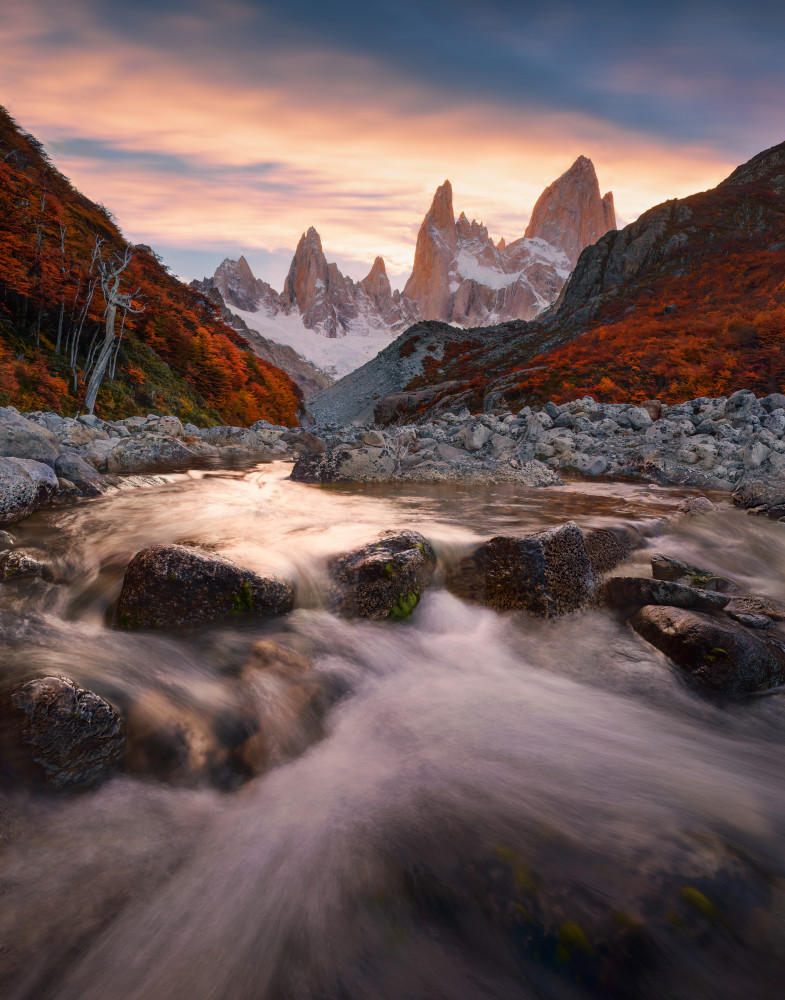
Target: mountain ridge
687,301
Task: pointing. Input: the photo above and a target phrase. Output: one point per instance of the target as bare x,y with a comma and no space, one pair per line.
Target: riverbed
495,806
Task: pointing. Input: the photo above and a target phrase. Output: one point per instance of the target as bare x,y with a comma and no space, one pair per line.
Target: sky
213,129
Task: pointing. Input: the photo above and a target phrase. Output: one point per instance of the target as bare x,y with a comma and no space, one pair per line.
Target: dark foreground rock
384,579
548,573
626,593
59,735
167,585
717,653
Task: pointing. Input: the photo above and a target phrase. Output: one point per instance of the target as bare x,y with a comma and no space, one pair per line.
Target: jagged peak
441,213
582,163
502,244
245,267
310,239
377,268
609,209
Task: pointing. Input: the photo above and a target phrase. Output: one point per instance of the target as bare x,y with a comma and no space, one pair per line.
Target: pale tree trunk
110,285
99,369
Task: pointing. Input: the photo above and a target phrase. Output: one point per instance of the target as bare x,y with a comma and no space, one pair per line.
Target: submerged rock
696,505
15,565
60,735
667,568
168,585
548,573
717,653
384,579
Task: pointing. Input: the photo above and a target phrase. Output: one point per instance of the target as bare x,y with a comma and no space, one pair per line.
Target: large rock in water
168,585
24,487
606,549
384,579
718,654
548,573
58,734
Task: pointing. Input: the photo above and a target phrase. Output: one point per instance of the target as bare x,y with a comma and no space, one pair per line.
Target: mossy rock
168,585
384,579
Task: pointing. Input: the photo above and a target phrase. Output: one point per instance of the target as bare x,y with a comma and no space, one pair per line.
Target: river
497,806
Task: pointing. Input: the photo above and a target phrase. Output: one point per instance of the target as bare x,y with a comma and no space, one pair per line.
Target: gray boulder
24,487
720,655
345,465
86,479
148,452
21,438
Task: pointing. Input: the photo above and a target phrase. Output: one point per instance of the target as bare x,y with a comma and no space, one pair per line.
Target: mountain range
459,276
688,301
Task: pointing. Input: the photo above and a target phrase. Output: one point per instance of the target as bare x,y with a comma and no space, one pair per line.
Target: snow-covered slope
337,356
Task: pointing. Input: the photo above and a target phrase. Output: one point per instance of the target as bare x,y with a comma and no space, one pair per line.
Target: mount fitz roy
460,276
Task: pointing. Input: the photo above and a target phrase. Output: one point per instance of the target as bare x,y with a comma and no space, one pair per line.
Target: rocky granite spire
235,280
437,242
460,276
609,211
570,214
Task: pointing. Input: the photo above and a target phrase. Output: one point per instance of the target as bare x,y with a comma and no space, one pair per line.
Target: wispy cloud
240,124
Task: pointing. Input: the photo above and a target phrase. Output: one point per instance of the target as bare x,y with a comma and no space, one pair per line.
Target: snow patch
335,355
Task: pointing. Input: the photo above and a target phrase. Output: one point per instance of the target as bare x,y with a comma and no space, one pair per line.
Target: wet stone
548,573
718,654
627,592
168,585
605,549
384,579
58,735
15,565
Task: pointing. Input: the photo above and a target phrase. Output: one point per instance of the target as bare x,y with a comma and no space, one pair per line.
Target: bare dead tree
110,272
62,296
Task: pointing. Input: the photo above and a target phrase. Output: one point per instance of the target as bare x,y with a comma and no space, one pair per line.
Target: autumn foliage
701,314
176,356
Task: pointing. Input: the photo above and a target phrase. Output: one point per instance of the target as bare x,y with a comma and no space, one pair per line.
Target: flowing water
496,806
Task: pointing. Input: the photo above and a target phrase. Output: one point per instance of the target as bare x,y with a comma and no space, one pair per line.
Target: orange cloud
361,167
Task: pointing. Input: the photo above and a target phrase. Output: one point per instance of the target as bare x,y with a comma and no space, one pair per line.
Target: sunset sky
211,129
